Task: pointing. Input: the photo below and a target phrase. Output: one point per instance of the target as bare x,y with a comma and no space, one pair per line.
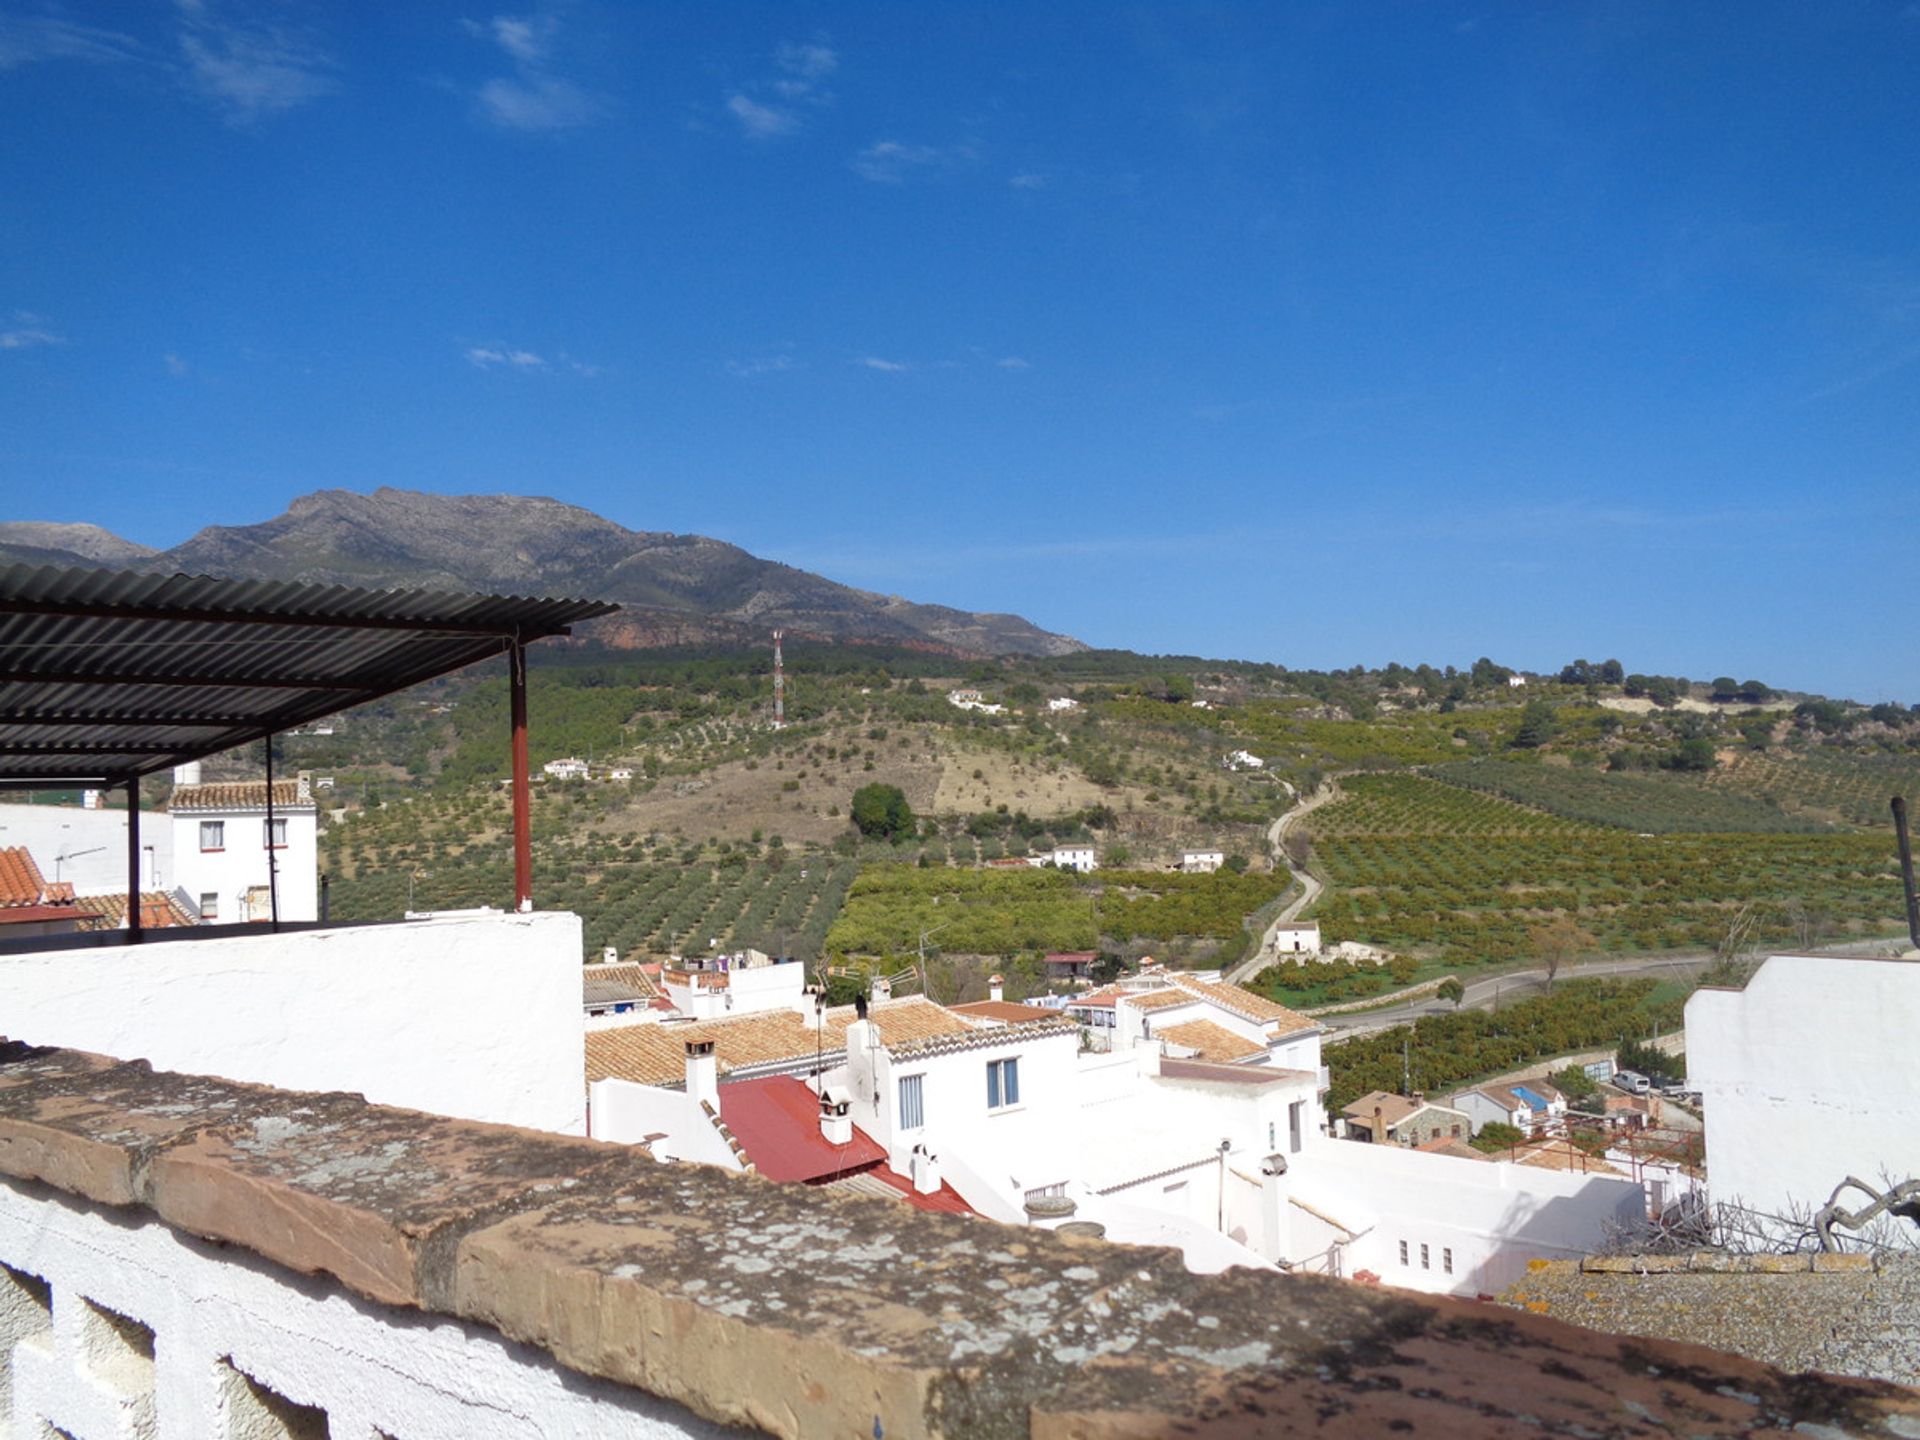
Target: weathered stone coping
810,1314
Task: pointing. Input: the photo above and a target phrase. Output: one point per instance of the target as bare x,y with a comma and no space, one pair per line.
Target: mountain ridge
676,589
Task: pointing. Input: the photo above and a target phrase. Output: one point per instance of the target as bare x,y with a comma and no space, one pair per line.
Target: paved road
1483,994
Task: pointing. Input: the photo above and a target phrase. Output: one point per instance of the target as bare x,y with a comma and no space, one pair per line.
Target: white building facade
1807,1077
232,851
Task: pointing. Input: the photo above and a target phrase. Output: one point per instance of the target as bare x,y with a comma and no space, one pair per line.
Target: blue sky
1321,334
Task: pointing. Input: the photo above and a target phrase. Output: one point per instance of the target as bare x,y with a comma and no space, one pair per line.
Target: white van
1632,1082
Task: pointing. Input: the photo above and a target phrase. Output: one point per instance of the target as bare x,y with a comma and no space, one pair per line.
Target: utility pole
779,684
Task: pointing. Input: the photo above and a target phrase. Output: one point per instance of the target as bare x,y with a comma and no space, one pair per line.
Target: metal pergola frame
108,676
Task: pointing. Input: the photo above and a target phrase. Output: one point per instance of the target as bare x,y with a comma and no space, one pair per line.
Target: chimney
703,1073
835,1123
1276,1213
925,1168
881,989
93,799
187,774
1419,1097
996,987
1379,1136
303,794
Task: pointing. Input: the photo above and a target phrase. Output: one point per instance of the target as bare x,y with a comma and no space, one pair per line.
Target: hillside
678,589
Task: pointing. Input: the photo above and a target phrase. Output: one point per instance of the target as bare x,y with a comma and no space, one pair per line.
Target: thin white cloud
28,339
251,69
485,357
761,122
760,365
536,96
539,102
176,367
889,162
31,39
890,367
1029,180
1013,362
796,88
809,63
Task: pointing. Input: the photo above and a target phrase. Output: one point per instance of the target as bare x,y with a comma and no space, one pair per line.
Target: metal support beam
273,861
193,615
135,921
522,781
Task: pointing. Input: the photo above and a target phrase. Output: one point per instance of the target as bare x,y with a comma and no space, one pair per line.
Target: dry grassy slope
730,801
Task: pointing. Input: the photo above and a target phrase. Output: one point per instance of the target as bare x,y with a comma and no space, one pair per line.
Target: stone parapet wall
1843,1314
702,1296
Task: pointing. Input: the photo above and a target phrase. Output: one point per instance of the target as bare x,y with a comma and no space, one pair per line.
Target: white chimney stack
835,1123
881,989
1276,1213
609,956
703,1073
996,987
187,774
926,1171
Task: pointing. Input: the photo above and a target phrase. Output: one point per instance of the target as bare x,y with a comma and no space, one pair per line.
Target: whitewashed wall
626,1112
94,842
153,1335
231,872
1494,1217
1808,1076
476,1016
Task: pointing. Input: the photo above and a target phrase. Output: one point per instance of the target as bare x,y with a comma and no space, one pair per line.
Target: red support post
135,929
522,781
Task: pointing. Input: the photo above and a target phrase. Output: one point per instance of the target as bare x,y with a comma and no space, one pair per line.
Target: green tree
1497,1135
881,812
1538,724
1452,991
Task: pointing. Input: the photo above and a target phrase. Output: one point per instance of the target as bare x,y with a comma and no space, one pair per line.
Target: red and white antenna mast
779,684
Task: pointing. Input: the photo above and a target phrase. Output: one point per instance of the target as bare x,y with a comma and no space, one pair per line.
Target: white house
1243,760
738,984
620,772
1807,1077
230,854
570,768
1516,682
1201,862
1297,937
1062,702
1073,856
1527,1105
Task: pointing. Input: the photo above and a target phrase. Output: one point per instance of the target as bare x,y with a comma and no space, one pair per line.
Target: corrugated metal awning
108,675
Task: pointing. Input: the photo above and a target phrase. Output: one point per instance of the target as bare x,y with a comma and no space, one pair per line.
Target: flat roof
108,675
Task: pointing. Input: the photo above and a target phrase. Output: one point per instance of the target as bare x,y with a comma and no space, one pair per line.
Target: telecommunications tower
779,684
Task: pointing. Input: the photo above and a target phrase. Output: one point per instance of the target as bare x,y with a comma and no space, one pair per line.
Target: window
213,834
1425,1263
209,905
274,833
1294,1112
913,1112
1403,1252
1003,1083
1446,1259
1456,1132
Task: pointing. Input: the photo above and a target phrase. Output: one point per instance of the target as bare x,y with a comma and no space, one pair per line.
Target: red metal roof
946,1200
777,1122
1072,957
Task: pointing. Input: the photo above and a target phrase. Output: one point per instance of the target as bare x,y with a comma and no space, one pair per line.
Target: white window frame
1003,1083
918,1109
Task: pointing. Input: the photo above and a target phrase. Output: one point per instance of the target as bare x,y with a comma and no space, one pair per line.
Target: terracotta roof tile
1213,1042
158,911
20,879
239,795
1245,1003
655,1054
1157,999
1005,1011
